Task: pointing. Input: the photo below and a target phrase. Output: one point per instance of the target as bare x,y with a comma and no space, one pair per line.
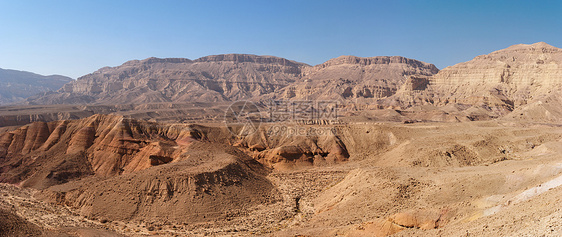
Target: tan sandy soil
409,179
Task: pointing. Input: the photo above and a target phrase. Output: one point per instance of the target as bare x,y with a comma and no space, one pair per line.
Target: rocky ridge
208,79
192,179
233,77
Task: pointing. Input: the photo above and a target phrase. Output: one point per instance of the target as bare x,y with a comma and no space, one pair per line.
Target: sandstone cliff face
350,77
519,66
509,78
489,86
209,79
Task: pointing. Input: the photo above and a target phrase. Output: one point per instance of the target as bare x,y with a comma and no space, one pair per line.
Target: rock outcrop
111,145
181,172
290,147
42,154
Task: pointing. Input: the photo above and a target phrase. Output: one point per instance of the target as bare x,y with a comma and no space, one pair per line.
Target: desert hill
512,81
14,225
19,85
111,145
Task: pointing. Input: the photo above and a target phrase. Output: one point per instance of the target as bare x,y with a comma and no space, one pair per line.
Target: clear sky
76,37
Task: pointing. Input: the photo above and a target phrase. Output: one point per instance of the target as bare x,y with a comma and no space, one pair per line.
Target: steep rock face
489,86
519,66
350,77
505,78
19,85
211,78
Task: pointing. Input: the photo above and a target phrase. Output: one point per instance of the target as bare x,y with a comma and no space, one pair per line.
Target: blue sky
77,37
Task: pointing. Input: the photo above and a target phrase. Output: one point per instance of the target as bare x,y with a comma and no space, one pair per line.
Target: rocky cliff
489,86
350,77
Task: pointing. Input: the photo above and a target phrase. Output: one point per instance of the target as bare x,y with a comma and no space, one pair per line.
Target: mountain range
522,79
84,164
238,76
18,85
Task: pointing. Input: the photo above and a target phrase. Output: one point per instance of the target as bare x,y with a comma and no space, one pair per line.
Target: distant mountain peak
17,85
536,48
541,44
